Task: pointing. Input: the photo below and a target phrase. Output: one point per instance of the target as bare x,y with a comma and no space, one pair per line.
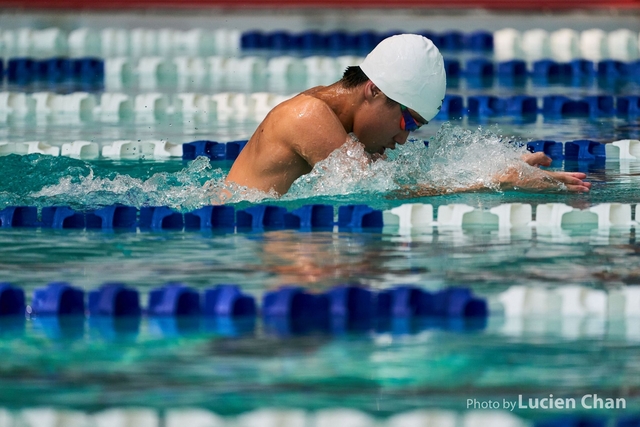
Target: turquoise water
90,366
231,369
382,374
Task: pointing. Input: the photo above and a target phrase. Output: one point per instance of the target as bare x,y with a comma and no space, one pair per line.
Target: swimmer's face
382,123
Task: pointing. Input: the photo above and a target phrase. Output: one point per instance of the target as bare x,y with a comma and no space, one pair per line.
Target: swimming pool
560,296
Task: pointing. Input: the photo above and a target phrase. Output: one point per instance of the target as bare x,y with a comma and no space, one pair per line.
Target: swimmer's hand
513,178
572,180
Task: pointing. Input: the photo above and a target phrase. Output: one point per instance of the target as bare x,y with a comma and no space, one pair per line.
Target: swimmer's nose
401,138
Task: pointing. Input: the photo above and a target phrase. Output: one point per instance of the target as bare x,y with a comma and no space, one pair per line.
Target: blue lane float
547,69
479,68
479,41
291,309
451,40
555,106
364,41
24,71
212,150
280,40
228,301
313,217
410,301
114,300
174,300
584,149
452,68
58,299
350,218
54,70
519,106
359,216
114,309
514,69
452,107
264,217
295,303
338,41
156,218
601,105
612,69
11,300
62,217
553,149
483,105
21,71
582,68
458,302
210,217
310,41
19,216
628,106
88,70
308,217
113,217
353,304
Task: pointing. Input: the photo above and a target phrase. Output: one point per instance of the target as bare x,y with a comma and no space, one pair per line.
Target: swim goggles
407,122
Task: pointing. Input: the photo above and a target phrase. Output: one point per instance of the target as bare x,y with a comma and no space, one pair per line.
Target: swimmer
398,88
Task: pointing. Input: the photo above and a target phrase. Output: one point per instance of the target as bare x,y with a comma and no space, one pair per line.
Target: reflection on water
486,259
383,373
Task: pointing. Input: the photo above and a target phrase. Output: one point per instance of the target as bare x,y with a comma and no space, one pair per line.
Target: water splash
177,190
456,159
347,170
190,188
39,180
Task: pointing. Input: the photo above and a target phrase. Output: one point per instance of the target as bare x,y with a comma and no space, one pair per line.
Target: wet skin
304,130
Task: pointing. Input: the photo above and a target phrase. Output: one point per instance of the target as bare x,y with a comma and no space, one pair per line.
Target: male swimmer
397,89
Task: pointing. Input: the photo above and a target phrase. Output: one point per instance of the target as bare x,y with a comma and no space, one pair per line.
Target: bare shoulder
305,108
310,127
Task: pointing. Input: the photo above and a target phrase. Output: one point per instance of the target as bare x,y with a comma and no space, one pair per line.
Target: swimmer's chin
380,155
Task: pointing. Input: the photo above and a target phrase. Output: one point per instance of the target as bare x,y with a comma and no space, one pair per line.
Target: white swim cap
409,69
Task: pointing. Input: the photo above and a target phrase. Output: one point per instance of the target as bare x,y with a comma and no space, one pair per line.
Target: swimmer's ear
371,90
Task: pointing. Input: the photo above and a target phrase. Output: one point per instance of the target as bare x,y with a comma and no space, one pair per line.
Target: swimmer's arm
547,181
424,190
512,179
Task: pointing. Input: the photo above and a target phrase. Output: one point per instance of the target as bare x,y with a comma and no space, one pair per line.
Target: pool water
230,370
385,373
93,365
